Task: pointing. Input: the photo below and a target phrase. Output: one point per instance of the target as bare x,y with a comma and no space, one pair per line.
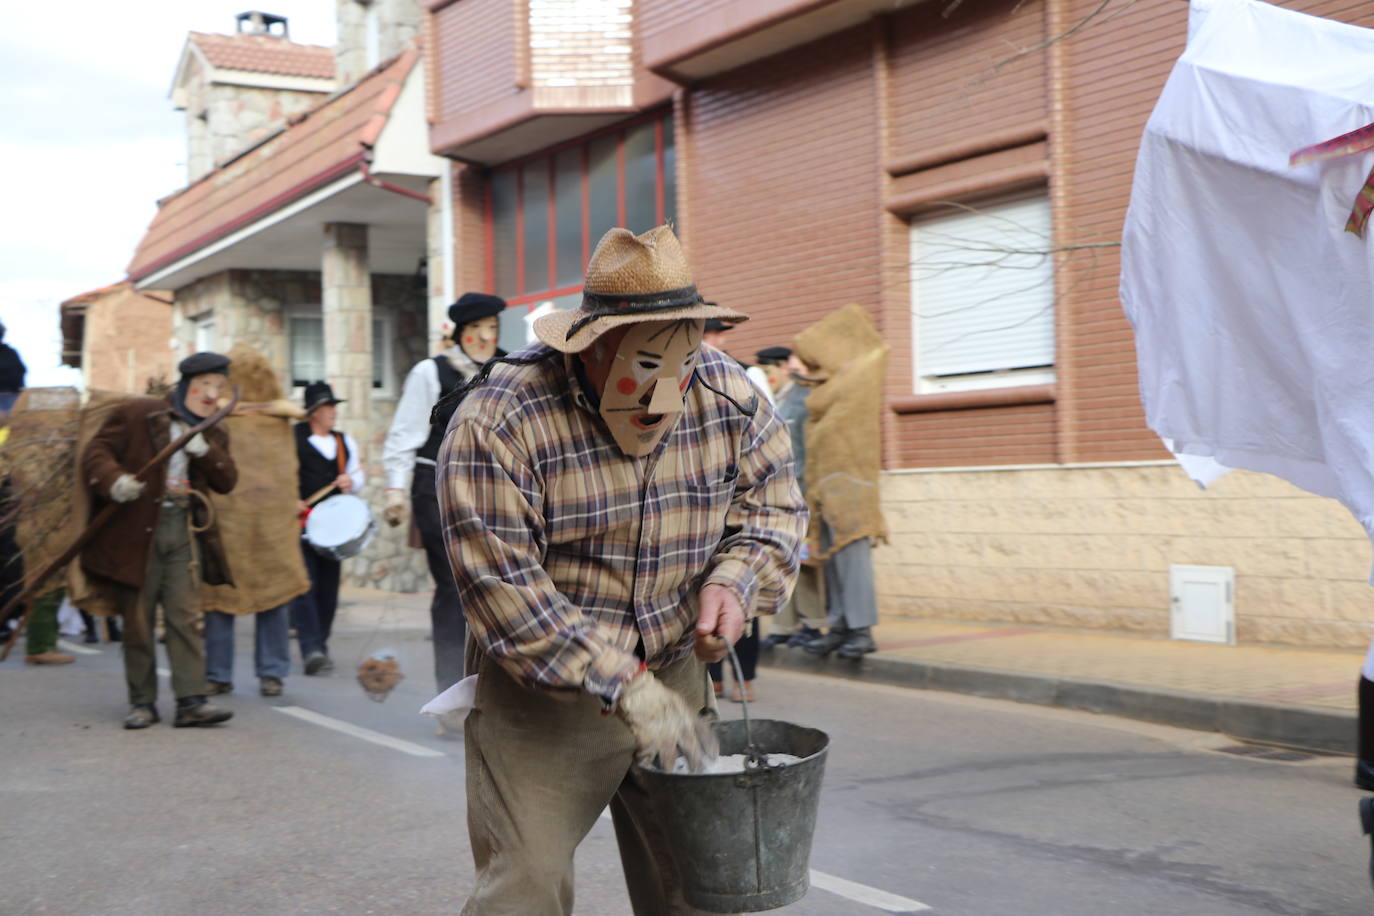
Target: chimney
256,23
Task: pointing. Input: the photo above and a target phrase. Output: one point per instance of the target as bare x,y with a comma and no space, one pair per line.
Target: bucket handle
753,759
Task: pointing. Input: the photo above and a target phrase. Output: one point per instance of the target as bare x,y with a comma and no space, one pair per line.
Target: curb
1291,726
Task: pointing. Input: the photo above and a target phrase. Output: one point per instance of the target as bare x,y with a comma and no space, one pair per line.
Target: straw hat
630,279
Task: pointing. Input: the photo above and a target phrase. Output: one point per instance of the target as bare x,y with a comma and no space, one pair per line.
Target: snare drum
340,527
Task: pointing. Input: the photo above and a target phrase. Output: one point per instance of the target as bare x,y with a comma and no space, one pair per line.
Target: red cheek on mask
469,340
626,386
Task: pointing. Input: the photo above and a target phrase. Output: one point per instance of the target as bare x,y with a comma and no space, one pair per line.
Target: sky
90,143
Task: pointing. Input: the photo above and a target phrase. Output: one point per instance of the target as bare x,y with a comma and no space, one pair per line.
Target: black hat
715,324
202,363
318,394
472,307
772,356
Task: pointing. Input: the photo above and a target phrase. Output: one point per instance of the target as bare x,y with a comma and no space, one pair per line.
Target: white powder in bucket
734,763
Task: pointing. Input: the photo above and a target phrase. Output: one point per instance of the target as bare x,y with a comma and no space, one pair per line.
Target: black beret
715,324
202,363
472,307
774,356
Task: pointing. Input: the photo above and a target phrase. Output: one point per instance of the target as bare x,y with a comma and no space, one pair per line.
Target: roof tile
265,54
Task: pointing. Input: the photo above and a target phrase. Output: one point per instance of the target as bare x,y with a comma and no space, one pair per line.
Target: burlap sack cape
844,429
258,519
39,457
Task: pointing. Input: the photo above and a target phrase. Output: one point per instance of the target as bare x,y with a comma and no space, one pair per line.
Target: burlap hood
258,520
844,429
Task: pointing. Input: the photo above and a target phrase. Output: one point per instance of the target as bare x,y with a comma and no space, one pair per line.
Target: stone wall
396,23
1091,547
251,306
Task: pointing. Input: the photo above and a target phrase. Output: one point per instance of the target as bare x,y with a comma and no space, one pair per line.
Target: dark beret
472,307
202,363
715,324
773,356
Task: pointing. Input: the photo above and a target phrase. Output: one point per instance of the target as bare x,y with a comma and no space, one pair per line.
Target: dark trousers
312,614
748,651
450,628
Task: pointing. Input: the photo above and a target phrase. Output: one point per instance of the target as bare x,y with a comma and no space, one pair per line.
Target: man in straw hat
613,498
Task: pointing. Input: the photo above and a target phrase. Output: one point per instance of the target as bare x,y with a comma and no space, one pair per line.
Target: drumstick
319,494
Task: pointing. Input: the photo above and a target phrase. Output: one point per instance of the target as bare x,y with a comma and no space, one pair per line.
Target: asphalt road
964,806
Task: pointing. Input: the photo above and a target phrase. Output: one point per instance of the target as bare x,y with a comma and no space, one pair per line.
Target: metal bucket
742,841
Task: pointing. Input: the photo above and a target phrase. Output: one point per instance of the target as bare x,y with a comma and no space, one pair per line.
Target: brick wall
475,50
580,43
126,339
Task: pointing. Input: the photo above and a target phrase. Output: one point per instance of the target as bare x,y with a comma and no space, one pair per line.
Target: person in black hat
144,556
328,458
408,456
12,372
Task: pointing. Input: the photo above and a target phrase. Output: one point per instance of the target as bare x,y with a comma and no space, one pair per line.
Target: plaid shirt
568,553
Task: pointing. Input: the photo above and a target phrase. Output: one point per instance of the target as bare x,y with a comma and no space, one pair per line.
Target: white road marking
73,647
862,893
357,731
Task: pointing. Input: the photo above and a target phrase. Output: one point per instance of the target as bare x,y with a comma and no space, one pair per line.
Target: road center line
73,647
357,731
862,893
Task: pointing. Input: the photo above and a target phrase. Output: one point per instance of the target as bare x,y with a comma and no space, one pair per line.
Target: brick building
962,171
118,337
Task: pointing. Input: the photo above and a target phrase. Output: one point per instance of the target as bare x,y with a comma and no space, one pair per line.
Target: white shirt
410,425
326,446
178,466
760,380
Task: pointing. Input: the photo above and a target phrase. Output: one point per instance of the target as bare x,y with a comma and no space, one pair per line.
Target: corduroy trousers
540,771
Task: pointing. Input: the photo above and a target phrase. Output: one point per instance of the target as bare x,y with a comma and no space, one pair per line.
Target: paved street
966,806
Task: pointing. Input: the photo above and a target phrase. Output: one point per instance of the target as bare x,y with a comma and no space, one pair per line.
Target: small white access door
1203,600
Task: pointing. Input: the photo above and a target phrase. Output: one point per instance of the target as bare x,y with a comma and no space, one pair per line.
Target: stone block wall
1091,547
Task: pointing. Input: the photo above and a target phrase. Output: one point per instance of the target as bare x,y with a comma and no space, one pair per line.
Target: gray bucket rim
657,771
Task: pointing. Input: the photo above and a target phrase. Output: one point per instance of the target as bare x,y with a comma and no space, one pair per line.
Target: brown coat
130,437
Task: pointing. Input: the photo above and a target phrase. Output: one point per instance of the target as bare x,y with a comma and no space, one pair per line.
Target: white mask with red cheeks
646,385
478,338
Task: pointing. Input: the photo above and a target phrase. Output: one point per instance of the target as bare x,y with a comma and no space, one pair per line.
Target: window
205,332
982,287
546,212
305,328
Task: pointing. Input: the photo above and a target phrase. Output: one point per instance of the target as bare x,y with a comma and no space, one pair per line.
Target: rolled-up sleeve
759,555
494,530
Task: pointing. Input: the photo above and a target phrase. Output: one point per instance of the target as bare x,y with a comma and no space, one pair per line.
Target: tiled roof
320,146
264,54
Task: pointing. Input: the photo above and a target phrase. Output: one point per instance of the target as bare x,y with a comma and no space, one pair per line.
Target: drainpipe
446,232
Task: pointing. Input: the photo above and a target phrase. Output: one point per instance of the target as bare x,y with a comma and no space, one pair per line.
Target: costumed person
714,336
327,458
801,618
411,448
162,532
847,358
613,499
1364,760
12,373
258,526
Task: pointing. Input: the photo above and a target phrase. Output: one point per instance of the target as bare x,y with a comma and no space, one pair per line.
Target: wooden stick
319,494
100,520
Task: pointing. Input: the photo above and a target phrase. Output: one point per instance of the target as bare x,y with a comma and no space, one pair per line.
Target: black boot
193,711
1367,825
859,644
1364,766
91,634
824,645
112,629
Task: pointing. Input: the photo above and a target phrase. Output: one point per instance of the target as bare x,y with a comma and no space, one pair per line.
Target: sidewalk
1298,697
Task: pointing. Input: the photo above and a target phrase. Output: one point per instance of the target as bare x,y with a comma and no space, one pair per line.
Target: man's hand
126,488
344,483
197,446
664,726
720,622
395,509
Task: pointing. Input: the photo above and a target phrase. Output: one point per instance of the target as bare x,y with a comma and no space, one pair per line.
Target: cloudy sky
90,142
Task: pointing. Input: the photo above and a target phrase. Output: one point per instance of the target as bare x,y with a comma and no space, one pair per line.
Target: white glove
394,510
664,726
126,488
197,446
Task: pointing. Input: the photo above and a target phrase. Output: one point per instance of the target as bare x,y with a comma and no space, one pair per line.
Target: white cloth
327,447
410,425
1253,308
760,380
178,466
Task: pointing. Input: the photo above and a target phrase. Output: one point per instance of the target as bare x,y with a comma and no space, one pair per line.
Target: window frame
380,316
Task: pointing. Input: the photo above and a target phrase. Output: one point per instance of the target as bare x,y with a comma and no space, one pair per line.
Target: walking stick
101,519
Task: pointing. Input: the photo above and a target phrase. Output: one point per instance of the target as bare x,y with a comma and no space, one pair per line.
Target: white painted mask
647,382
478,338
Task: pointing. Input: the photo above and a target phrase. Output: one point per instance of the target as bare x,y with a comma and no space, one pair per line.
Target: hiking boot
49,658
328,665
824,645
315,662
270,686
859,644
217,687
141,715
193,711
803,636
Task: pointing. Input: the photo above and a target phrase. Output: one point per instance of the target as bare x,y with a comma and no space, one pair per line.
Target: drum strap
340,453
